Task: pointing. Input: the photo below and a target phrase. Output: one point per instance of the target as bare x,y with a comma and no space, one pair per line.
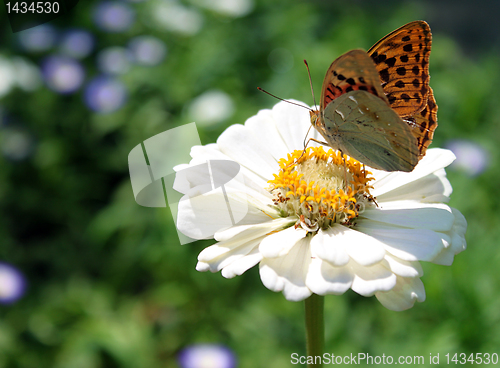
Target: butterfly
377,106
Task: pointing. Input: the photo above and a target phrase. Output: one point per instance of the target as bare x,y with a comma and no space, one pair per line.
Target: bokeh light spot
230,8
175,17
211,107
114,60
207,356
114,16
38,39
472,158
62,74
105,94
77,43
15,144
147,50
12,284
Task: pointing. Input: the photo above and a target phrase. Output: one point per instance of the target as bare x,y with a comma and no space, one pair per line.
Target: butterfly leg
345,171
369,197
305,146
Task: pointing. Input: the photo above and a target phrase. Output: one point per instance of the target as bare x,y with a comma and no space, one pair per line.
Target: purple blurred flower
105,94
62,74
12,284
471,157
207,356
77,43
113,16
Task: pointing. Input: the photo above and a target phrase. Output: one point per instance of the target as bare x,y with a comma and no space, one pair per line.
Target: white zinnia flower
308,233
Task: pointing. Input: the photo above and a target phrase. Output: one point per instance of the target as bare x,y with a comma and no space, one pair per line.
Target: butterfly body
377,106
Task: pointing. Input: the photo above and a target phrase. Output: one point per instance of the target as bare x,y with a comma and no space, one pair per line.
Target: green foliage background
109,284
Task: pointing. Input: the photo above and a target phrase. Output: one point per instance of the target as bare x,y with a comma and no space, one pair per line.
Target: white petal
323,278
292,122
407,244
263,126
455,239
244,232
436,216
238,241
368,280
457,233
201,154
242,264
181,182
213,253
404,268
202,211
288,273
201,214
202,267
209,165
434,187
244,147
207,152
364,249
325,245
434,160
403,295
218,257
280,243
445,257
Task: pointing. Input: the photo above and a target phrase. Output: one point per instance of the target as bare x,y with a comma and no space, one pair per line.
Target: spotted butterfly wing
355,116
402,61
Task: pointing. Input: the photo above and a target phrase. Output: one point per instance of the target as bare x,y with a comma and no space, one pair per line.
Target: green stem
315,328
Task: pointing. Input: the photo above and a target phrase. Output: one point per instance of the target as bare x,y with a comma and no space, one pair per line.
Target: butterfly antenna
282,99
310,81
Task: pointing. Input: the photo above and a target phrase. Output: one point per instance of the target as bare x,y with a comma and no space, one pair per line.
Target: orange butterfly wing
356,118
402,61
350,72
423,124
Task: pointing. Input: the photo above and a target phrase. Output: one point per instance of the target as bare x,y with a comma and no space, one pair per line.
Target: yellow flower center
321,188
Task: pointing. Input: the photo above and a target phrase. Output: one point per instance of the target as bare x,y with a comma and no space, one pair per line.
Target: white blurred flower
147,50
62,74
172,16
15,143
114,60
206,356
18,72
7,78
308,232
27,75
12,284
211,107
471,157
230,8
